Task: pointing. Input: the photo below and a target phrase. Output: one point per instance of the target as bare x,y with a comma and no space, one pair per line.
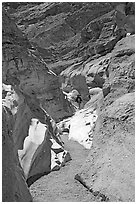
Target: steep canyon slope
50,47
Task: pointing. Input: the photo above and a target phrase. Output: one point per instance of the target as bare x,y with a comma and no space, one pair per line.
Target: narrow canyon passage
60,186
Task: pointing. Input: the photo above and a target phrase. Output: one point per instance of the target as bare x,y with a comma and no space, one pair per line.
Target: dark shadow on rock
34,178
106,91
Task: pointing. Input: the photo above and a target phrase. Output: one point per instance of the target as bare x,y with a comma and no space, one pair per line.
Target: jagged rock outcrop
55,27
22,67
14,187
73,30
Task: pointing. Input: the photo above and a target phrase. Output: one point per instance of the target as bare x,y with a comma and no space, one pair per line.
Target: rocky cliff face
56,27
23,69
36,86
65,31
88,39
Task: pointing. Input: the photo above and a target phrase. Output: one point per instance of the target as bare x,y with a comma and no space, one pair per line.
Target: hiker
76,97
78,100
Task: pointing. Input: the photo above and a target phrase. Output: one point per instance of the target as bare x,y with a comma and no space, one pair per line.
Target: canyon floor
60,186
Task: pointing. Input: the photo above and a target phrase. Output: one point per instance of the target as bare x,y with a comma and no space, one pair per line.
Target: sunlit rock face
14,187
81,127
